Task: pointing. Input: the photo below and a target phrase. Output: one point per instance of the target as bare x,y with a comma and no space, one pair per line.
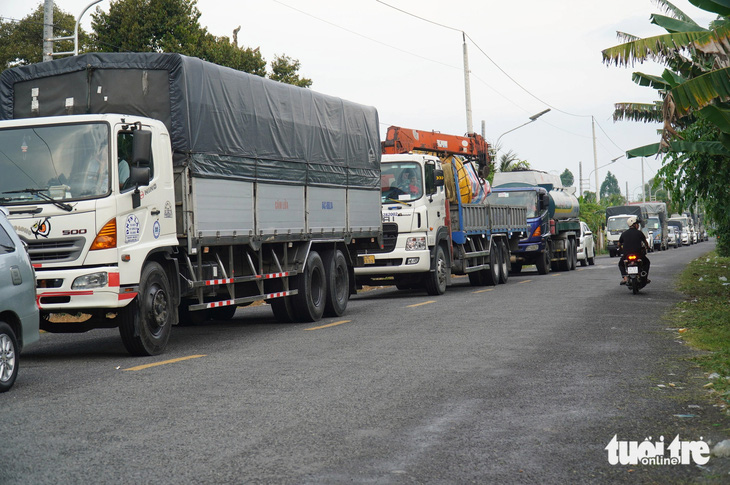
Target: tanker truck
552,215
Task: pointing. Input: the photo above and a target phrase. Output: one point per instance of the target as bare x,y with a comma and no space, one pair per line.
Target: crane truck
553,215
430,230
156,189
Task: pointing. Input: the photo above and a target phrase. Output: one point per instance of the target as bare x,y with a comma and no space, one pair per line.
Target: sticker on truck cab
131,229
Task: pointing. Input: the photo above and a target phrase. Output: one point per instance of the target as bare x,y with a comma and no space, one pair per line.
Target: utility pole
595,159
580,179
643,184
627,193
467,89
48,30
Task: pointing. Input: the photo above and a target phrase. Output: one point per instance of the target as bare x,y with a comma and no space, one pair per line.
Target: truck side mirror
438,176
141,147
138,176
545,201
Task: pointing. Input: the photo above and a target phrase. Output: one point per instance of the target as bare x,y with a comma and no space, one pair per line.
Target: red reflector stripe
217,304
113,279
218,282
126,296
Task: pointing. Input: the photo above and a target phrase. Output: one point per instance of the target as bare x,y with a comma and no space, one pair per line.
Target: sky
406,58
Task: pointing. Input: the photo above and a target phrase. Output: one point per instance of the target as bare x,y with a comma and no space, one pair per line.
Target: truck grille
54,250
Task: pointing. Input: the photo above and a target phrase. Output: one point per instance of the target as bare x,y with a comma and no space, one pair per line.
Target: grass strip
703,318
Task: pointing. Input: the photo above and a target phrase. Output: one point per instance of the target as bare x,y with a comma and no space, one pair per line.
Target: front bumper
55,295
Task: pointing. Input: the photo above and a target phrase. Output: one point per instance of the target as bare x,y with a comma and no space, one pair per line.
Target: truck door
140,228
435,207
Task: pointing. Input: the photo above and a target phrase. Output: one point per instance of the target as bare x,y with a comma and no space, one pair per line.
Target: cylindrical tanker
563,205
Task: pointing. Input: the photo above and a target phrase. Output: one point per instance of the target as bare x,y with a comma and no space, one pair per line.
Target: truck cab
413,212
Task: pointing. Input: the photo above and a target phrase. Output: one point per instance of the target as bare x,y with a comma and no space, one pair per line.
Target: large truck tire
9,357
338,283
504,260
573,254
436,281
491,275
543,261
310,301
145,323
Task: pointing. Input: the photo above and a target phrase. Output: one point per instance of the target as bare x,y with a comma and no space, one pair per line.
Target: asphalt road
520,383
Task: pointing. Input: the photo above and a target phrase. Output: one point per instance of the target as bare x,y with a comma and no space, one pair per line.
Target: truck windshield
652,223
63,162
526,199
401,181
617,223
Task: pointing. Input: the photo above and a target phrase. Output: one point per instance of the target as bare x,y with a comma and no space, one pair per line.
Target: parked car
586,246
19,319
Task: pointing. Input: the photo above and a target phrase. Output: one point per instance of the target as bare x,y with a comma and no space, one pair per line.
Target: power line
485,55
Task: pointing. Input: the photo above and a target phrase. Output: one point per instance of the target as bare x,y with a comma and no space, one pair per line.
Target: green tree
173,26
567,178
285,69
610,186
21,42
509,162
693,92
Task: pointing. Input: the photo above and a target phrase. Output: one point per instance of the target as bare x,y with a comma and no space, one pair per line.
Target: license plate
633,270
368,259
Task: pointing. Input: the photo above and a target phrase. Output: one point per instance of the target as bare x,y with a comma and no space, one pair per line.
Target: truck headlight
532,247
415,244
93,280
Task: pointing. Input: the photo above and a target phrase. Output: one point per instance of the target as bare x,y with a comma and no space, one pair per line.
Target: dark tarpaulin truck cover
223,123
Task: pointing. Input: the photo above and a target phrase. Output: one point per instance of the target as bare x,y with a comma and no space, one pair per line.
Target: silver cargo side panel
279,209
326,210
222,207
363,210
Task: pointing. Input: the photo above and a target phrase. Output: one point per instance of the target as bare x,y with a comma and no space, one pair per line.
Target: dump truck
553,215
156,189
436,222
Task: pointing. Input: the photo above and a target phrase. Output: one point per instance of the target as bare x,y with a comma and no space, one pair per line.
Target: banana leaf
720,7
645,151
655,82
673,25
657,47
644,112
717,116
702,91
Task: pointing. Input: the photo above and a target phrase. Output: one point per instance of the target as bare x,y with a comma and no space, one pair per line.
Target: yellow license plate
368,259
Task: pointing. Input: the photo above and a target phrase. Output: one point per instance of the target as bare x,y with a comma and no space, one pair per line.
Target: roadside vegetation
704,318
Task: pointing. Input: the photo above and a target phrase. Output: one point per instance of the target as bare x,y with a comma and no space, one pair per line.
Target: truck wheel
338,283
436,281
146,322
543,261
312,286
9,354
573,254
504,266
491,275
592,259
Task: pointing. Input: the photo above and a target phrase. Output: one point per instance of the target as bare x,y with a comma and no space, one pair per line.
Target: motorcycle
636,275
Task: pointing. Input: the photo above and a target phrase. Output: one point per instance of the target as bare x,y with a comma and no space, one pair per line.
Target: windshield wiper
394,200
39,192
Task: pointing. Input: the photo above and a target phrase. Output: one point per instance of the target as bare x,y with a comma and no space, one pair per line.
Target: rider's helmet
632,220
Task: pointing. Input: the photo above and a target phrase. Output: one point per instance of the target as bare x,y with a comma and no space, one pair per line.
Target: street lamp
602,166
532,118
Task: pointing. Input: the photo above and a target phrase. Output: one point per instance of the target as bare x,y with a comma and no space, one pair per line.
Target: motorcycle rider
633,241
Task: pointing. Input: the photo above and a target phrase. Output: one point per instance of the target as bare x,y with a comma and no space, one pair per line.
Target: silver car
19,320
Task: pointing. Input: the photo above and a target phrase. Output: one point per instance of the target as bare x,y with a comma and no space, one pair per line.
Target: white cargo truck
157,189
426,236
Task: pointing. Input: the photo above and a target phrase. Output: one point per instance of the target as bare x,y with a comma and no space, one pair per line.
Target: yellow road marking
556,274
329,325
523,282
172,361
482,291
419,304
